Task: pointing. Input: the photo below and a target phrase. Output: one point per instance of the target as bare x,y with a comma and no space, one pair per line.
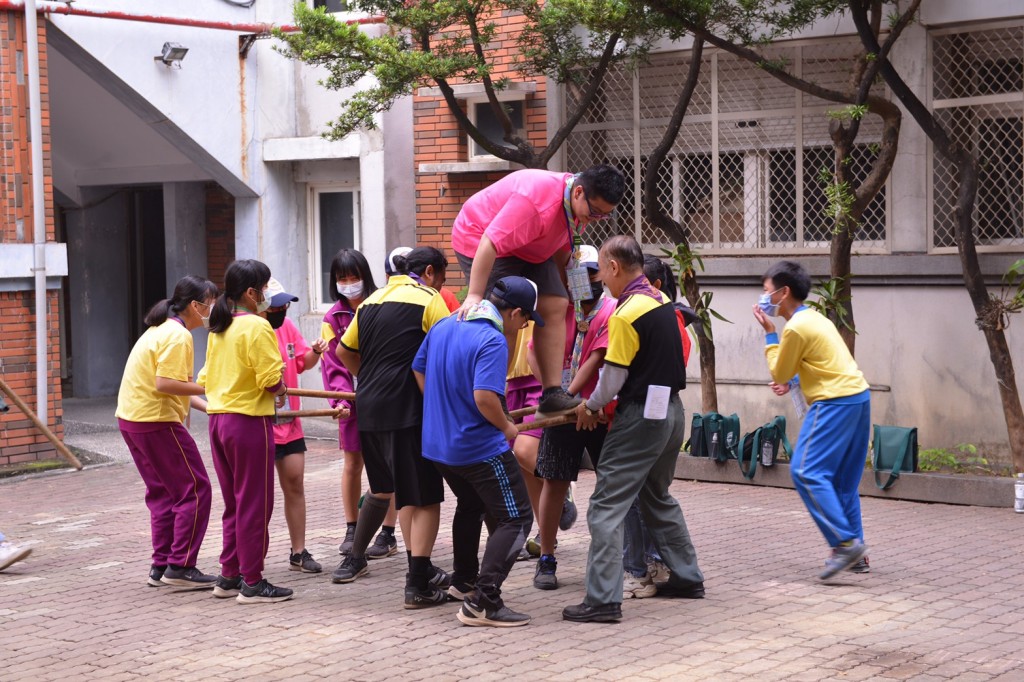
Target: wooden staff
291,414
523,411
310,393
567,417
50,436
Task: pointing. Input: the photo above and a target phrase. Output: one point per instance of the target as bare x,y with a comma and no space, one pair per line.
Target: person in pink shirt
289,439
528,224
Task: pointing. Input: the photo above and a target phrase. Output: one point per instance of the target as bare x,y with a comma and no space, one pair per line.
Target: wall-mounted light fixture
171,54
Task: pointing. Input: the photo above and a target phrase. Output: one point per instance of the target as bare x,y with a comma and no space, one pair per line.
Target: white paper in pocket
656,406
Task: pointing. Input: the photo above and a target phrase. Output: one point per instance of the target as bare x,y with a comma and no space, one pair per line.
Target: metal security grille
978,96
744,173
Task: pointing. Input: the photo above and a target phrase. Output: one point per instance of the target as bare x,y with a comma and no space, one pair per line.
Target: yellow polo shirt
162,351
241,363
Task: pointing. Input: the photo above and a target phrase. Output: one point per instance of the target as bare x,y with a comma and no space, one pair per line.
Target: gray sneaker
155,573
440,578
189,578
346,545
554,401
569,513
843,558
349,569
384,546
303,562
262,592
544,578
501,617
227,587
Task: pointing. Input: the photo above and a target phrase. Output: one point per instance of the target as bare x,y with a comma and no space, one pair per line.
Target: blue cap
519,292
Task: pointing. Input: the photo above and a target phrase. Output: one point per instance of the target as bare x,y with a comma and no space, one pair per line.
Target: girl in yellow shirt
243,376
152,404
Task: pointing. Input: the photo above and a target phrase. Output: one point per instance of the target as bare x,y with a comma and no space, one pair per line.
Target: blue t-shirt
458,358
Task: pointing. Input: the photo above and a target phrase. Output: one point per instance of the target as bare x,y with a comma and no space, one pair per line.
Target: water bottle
1018,494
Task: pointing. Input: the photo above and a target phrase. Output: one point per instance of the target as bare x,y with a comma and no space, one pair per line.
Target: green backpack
714,436
763,444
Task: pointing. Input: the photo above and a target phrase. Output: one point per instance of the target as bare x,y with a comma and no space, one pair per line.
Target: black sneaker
556,400
155,573
416,598
544,578
348,570
346,545
501,617
189,578
384,546
459,591
303,562
690,591
262,592
227,587
440,578
583,613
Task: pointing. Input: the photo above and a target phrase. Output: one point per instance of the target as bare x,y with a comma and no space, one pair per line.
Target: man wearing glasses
529,224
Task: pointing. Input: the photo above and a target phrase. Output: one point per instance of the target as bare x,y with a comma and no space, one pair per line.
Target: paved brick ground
945,599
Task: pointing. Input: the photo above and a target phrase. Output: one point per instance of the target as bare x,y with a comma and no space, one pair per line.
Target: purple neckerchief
640,285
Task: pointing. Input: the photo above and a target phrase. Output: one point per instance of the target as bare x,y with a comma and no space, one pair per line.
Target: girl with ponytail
152,404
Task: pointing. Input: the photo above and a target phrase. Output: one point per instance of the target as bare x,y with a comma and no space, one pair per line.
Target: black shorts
292,447
561,451
547,275
394,464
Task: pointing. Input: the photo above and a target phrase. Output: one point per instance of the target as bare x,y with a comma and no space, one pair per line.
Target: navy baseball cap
277,296
519,292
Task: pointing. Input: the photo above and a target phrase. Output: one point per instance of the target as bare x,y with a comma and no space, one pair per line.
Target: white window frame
472,102
313,231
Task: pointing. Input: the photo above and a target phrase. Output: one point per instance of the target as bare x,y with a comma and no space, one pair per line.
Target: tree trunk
708,387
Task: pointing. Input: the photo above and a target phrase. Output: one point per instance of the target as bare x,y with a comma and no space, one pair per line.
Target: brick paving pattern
945,599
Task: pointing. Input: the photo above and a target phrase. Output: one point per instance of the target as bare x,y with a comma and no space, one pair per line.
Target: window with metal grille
743,173
482,115
978,96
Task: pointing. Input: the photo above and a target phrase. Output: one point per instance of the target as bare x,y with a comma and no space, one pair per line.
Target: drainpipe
38,205
67,8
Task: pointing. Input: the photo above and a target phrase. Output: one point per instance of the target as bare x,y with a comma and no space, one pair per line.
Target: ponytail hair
189,288
241,276
417,260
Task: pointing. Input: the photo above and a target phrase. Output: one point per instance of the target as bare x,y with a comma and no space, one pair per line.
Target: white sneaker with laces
637,588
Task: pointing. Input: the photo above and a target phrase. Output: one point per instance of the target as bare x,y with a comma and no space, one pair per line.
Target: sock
419,572
408,558
550,389
371,516
846,543
390,530
350,524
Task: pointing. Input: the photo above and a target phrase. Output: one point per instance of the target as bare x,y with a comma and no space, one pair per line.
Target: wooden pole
523,411
565,418
50,435
291,414
310,393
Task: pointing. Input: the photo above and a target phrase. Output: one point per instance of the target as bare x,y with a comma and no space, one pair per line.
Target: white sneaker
658,571
637,588
12,554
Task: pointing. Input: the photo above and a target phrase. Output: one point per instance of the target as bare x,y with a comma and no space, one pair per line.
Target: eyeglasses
591,213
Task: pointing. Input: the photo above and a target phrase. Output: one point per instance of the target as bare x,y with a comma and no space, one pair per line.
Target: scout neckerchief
640,285
485,310
581,332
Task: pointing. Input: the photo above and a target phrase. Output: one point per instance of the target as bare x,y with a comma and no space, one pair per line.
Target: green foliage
831,303
853,112
688,261
839,198
963,458
435,41
995,314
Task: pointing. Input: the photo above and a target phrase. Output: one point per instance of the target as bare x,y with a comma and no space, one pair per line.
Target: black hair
348,263
500,303
604,181
189,288
626,250
787,273
417,260
241,276
655,268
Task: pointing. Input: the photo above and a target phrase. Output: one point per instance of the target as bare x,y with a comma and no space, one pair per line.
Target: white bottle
1018,494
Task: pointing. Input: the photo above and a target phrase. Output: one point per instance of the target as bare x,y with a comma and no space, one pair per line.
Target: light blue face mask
767,307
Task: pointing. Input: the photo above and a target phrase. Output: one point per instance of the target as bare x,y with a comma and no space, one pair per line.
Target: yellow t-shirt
162,351
811,347
240,364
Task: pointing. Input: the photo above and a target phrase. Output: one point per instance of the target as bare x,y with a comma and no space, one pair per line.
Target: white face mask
205,320
262,306
350,291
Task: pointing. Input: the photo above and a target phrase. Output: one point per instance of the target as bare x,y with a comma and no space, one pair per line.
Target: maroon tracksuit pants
177,488
243,456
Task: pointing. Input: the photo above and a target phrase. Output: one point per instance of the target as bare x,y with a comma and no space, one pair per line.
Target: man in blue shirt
461,368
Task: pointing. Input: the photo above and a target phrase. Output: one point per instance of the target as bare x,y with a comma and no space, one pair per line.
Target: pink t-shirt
293,351
522,214
595,338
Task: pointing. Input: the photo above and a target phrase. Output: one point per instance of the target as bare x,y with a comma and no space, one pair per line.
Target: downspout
35,118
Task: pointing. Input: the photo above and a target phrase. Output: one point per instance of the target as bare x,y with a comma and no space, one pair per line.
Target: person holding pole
242,376
152,406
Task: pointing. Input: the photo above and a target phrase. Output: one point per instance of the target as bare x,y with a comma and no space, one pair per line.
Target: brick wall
19,440
438,139
220,232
